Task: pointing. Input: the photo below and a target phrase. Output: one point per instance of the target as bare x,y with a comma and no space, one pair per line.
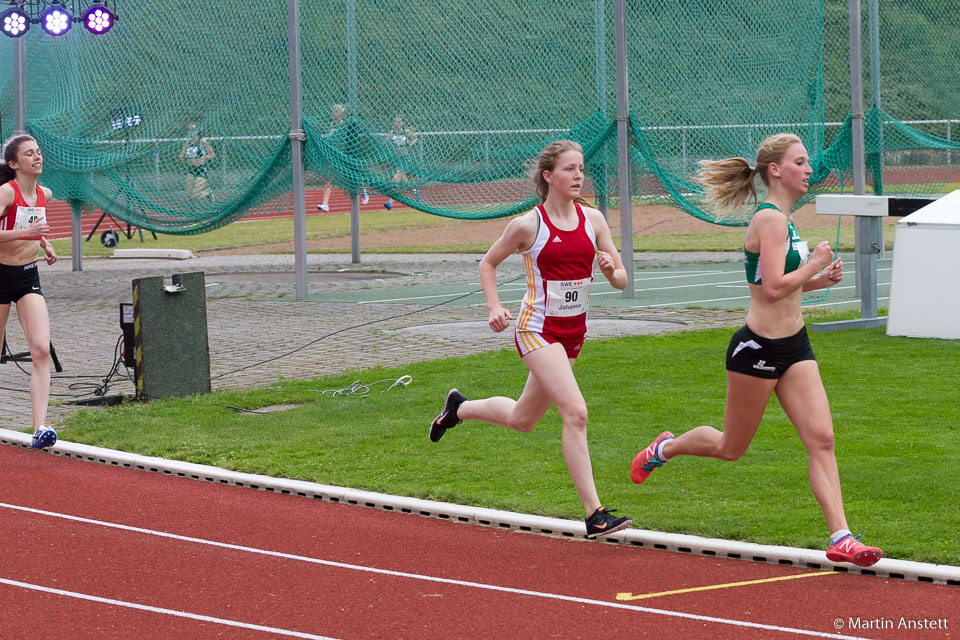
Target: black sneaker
601,523
448,417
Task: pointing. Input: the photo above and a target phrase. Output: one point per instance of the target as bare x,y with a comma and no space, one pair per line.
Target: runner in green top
772,353
798,253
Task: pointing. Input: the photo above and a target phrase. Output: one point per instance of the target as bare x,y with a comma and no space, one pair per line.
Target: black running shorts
769,358
18,281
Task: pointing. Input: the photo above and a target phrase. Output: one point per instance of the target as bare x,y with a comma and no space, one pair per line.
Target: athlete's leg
327,187
201,186
32,312
804,400
4,314
554,372
747,398
521,414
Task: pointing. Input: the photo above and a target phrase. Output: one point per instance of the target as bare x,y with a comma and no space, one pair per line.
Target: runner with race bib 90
559,240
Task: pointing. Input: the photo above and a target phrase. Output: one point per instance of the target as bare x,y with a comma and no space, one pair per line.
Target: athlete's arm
48,253
207,149
607,255
519,234
827,278
771,227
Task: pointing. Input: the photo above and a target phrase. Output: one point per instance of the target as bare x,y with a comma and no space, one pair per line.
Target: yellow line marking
644,596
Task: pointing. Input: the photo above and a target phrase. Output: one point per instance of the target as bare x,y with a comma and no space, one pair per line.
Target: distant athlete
772,353
23,227
197,152
337,114
559,240
402,138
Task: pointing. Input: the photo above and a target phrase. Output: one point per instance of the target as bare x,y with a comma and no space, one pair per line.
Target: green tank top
797,251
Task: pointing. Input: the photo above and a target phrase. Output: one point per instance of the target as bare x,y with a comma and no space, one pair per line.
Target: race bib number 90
567,298
28,215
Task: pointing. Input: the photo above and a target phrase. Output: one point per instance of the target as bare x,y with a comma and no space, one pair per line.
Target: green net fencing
911,93
178,120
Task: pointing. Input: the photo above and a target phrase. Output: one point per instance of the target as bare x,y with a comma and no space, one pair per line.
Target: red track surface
357,573
58,213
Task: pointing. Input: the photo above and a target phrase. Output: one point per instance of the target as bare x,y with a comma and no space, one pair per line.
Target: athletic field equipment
868,212
924,297
24,356
170,336
448,417
43,438
850,549
602,523
646,461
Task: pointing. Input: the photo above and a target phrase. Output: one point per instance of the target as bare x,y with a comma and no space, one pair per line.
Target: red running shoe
646,461
850,549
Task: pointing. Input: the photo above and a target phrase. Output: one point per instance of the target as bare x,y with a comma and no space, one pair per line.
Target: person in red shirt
23,226
559,240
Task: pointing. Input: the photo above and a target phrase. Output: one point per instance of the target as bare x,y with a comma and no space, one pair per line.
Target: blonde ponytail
730,182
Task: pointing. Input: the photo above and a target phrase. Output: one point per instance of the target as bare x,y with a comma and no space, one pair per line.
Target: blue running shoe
43,438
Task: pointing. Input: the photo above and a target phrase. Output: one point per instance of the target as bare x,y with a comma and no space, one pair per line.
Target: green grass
893,402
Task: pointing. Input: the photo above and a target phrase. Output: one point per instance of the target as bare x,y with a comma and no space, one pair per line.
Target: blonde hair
730,182
547,161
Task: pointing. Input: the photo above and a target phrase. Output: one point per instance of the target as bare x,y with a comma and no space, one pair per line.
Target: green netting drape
443,106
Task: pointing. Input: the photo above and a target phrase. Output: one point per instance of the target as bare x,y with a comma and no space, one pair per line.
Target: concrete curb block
167,254
789,556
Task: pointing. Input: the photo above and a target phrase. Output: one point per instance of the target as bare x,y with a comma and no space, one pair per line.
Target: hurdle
868,212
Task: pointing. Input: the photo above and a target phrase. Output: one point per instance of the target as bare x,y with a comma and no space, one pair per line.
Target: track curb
696,545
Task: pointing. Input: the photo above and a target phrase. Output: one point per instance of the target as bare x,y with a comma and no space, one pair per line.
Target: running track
59,215
95,551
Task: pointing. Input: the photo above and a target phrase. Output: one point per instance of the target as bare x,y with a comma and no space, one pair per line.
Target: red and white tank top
20,215
559,268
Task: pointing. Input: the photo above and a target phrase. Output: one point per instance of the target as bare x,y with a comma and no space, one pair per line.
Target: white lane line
854,301
662,275
675,304
160,610
426,578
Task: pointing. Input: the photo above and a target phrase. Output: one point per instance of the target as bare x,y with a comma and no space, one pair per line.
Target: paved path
252,315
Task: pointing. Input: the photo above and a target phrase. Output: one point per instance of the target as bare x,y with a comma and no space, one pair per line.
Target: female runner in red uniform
23,223
559,241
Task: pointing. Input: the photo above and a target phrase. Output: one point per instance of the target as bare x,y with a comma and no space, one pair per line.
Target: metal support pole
874,23
623,146
353,97
866,227
868,253
296,149
19,86
600,78
857,125
76,235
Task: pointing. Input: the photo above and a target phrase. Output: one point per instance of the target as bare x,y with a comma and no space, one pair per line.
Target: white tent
925,283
